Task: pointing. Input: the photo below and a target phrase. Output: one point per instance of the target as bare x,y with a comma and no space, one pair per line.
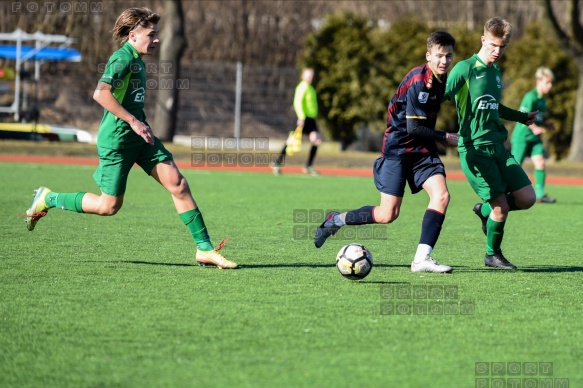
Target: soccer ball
354,261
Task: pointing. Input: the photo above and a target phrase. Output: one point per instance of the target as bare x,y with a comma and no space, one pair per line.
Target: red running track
336,171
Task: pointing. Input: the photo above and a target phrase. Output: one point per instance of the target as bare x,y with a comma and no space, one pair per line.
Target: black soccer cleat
497,260
546,199
327,229
478,210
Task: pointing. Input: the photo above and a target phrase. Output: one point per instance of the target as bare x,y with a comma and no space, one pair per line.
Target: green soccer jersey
125,72
477,90
532,101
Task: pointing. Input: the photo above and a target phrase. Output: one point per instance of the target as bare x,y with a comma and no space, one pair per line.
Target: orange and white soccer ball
354,261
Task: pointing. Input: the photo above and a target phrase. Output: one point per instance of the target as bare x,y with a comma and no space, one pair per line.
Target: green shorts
492,171
114,165
522,149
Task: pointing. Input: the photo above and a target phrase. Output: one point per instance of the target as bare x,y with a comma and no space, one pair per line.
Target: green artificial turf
90,301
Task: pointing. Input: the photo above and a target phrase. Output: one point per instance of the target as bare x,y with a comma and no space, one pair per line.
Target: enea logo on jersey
487,101
139,95
423,96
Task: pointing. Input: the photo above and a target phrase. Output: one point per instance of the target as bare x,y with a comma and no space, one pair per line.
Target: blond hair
130,19
498,28
544,72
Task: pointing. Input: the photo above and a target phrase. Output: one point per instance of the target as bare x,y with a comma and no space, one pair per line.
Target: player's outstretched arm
531,118
516,115
416,128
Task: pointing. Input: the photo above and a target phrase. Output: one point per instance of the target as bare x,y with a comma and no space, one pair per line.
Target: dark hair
440,38
132,18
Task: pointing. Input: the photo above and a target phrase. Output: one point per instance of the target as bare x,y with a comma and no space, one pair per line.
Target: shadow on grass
532,268
143,262
379,282
551,268
244,266
296,265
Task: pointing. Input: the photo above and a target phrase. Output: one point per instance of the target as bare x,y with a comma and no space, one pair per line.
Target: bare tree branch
562,35
576,28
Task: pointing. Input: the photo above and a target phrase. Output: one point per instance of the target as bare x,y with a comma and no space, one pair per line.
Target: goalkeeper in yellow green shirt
306,108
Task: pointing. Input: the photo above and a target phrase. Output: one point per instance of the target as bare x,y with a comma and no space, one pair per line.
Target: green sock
195,224
50,199
486,209
65,201
539,182
494,237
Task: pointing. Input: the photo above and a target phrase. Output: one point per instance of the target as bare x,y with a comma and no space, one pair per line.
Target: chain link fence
208,96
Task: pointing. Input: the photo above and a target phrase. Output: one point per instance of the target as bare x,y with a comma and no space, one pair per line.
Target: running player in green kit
526,141
125,138
497,178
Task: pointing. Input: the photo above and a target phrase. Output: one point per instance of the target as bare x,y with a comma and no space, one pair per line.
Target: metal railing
234,100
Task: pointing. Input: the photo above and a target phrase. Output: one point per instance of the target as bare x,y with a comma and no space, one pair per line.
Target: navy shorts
390,175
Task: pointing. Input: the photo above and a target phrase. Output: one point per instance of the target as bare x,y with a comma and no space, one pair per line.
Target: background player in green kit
497,178
526,141
126,138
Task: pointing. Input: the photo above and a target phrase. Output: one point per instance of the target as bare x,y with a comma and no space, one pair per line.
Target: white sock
340,219
422,251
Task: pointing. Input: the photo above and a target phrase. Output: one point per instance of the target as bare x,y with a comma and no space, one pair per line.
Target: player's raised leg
38,208
79,202
387,212
328,228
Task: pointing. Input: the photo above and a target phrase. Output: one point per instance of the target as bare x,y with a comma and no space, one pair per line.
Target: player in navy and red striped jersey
409,155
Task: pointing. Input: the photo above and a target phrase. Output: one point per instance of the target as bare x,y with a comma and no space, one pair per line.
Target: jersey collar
134,52
436,76
480,60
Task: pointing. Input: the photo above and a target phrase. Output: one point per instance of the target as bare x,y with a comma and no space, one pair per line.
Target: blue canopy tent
38,53
43,54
